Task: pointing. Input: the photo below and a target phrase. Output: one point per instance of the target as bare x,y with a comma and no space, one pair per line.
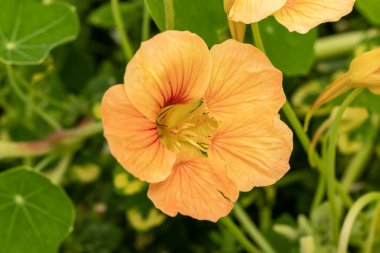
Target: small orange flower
296,15
364,72
198,125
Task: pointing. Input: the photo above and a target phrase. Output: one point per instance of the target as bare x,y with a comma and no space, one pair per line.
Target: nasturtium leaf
29,29
102,16
291,52
205,18
370,9
35,214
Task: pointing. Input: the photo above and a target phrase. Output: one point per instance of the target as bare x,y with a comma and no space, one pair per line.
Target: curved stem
331,155
251,229
351,217
231,226
125,43
51,121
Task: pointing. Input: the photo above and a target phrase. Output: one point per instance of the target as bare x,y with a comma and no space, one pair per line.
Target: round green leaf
370,9
205,18
35,214
291,52
29,29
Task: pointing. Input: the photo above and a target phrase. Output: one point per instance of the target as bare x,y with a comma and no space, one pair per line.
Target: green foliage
370,10
35,214
292,53
29,29
205,18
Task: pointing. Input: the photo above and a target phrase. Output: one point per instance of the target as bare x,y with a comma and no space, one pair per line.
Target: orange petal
256,147
365,70
172,67
133,139
251,11
198,188
303,15
242,76
337,88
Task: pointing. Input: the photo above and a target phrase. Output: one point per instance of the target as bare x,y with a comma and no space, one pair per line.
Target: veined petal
133,139
172,67
251,11
255,145
242,76
198,188
303,15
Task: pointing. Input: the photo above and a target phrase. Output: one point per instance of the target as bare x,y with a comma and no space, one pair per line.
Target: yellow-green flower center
186,129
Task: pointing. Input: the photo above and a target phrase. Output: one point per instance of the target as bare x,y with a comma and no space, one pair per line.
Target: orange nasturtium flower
296,15
364,72
198,125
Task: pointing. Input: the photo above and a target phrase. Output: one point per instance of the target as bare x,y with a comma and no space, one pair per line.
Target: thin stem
252,229
169,15
373,232
231,226
257,37
51,121
57,174
361,159
331,156
351,217
302,136
341,44
45,162
125,43
60,140
145,28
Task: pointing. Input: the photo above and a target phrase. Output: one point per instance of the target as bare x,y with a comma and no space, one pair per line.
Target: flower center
186,129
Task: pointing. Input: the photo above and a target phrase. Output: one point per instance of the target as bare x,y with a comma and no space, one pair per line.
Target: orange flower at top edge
198,125
296,15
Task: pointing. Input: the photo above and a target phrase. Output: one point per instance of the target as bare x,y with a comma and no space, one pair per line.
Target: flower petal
242,76
133,139
198,188
251,11
172,67
303,15
256,147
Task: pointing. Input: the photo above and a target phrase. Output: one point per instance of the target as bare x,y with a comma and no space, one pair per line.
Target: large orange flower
198,125
296,15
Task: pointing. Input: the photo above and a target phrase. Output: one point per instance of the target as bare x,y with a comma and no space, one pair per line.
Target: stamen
186,128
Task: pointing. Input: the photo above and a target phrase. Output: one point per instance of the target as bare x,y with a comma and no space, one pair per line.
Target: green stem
252,229
361,159
373,232
51,121
45,162
145,29
125,43
302,136
331,156
257,37
231,226
341,44
57,174
60,140
169,15
351,217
